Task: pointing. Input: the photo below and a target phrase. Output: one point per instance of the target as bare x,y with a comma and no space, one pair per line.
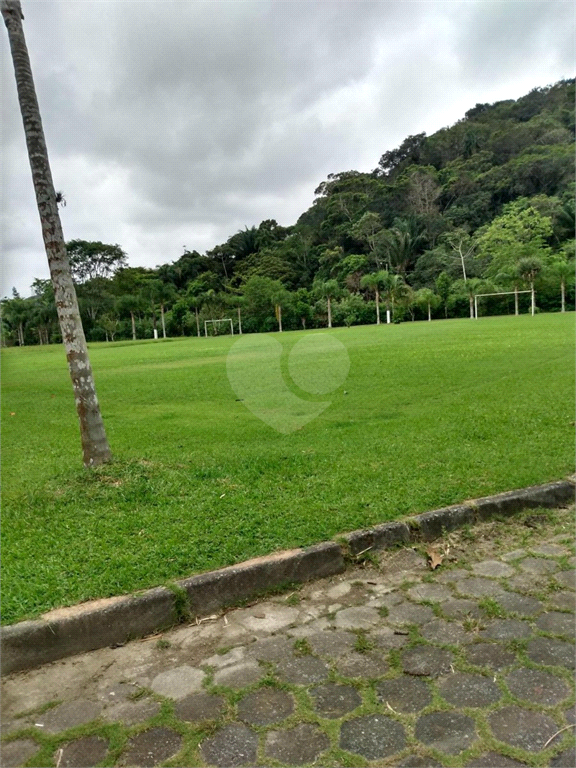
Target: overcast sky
174,124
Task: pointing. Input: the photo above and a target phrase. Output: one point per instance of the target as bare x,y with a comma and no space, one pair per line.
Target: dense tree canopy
439,216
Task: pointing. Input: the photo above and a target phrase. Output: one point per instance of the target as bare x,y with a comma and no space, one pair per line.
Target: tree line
484,206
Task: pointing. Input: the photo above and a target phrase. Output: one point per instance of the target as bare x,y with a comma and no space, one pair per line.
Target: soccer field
429,414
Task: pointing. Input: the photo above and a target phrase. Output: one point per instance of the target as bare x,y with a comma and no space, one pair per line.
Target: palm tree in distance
95,446
328,289
375,282
528,269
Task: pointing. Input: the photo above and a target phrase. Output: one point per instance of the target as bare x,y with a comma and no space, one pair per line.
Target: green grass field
430,414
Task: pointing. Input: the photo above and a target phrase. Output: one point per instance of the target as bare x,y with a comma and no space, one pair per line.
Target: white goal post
500,293
212,322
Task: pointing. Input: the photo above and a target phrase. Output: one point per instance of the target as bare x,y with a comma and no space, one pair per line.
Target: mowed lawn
430,414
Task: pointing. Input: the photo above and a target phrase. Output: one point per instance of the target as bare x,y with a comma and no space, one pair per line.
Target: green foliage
469,201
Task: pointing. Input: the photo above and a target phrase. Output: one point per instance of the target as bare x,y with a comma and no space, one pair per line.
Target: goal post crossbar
500,293
223,320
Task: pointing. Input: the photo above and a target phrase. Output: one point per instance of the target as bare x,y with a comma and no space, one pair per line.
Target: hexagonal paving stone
117,693
493,569
556,623
435,592
426,660
68,715
550,550
566,578
566,759
332,644
199,707
15,753
297,746
387,640
538,566
448,732
537,687
404,694
524,582
417,761
407,613
370,665
490,655
520,604
334,701
232,745
82,753
465,690
522,728
445,633
178,682
303,671
265,706
152,747
452,575
461,609
506,629
357,618
219,660
563,601
476,586
132,712
493,760
514,555
372,736
570,715
544,650
265,617
240,675
270,648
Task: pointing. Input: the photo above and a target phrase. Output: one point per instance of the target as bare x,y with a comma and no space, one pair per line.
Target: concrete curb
113,621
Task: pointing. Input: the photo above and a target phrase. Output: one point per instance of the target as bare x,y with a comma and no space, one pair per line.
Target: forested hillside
485,205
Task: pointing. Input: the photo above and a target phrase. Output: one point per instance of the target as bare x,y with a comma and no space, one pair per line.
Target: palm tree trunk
377,307
533,297
563,295
239,322
133,326
471,300
197,321
279,316
329,313
303,321
429,314
94,442
516,312
162,319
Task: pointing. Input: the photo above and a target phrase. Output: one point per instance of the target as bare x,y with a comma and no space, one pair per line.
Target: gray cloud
177,123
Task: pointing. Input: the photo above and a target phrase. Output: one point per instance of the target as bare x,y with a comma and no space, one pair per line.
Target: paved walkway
390,664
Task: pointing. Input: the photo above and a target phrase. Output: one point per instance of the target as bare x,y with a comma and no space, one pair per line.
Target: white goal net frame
500,293
215,322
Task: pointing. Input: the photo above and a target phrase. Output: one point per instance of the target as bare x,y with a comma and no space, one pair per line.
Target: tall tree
444,287
529,269
94,442
89,260
426,300
375,282
329,290
562,271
